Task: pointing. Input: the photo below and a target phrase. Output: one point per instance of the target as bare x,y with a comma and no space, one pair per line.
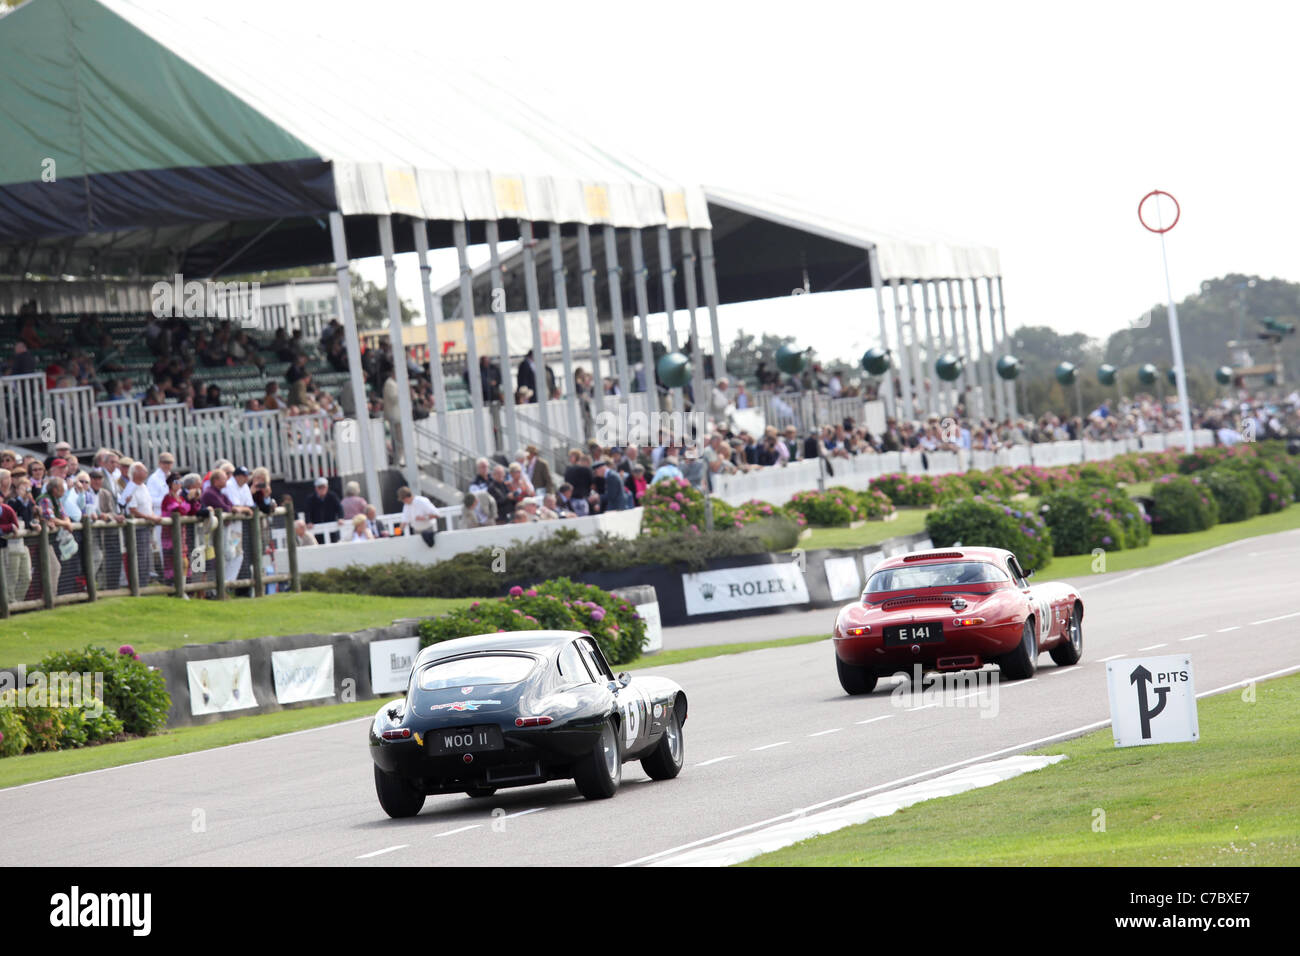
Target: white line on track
1194,637
387,849
1225,630
823,733
472,826
716,760
1057,671
1152,647
522,813
1113,657
1064,735
1270,620
781,743
872,720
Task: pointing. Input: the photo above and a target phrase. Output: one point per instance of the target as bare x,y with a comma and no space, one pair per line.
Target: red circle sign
1178,211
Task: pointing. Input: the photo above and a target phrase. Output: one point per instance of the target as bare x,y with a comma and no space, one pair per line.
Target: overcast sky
1031,127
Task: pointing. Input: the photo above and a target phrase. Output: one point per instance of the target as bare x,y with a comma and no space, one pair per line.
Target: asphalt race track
770,733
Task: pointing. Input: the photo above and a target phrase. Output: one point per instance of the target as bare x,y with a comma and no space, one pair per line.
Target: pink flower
531,592
126,649
516,591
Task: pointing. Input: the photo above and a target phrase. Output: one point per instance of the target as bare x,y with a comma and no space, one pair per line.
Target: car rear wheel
669,755
396,796
855,679
1021,663
480,792
1071,649
600,772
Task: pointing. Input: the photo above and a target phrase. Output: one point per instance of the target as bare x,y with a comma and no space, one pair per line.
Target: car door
632,702
1041,609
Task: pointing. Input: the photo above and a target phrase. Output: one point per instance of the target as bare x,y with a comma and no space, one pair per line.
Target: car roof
986,555
544,643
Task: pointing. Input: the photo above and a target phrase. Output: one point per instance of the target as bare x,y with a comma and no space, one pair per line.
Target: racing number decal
634,714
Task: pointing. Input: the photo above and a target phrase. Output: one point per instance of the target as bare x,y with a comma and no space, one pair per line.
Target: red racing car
955,609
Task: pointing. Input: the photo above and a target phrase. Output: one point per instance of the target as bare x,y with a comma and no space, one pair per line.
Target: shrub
1182,504
13,735
984,522
833,507
555,605
671,505
1275,491
1237,496
916,491
1083,518
135,691
874,504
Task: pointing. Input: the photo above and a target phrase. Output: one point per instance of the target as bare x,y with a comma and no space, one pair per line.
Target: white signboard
738,589
869,561
842,576
220,684
654,629
390,664
1152,700
304,674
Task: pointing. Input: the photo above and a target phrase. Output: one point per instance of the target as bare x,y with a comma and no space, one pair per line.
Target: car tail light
532,721
967,621
402,733
858,631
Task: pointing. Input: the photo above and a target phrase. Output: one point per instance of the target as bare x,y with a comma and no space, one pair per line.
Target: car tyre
480,792
396,795
854,678
1021,663
599,773
1070,651
670,753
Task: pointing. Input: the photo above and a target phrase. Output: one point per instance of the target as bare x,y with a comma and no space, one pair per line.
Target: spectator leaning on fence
419,516
478,510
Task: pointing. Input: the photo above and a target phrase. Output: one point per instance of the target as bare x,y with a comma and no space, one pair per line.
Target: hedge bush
1181,504
985,522
13,735
1275,491
672,505
41,724
136,693
834,507
1084,517
562,605
1237,496
874,505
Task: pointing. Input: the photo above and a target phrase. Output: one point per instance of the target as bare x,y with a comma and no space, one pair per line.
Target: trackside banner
734,589
304,674
220,684
390,664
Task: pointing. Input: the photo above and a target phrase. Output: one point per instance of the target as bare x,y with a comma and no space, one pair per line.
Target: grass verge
909,521
29,768
1169,547
158,623
1228,800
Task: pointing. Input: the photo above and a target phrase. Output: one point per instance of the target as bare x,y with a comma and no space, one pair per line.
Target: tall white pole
432,316
561,291
593,320
352,341
406,422
904,358
886,380
498,306
614,275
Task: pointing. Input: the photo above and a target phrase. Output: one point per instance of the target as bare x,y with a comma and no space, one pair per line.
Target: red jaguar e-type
955,609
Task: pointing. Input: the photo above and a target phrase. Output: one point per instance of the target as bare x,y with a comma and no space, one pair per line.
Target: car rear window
935,576
466,671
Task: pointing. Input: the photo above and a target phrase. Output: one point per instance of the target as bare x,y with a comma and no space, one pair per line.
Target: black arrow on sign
1141,676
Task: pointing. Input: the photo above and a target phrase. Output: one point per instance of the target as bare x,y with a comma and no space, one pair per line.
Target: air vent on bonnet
934,556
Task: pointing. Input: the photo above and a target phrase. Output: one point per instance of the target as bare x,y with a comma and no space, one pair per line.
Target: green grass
45,766
29,768
682,655
1169,547
158,623
909,521
1228,800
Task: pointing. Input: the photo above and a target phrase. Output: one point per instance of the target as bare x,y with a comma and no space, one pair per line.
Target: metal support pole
255,546
498,306
670,309
559,283
904,363
1000,346
640,274
432,316
991,374
219,553
352,342
1011,386
593,320
48,585
934,395
709,274
291,544
178,554
918,366
542,391
87,557
459,234
886,380
972,373
947,390
614,275
697,347
132,557
410,462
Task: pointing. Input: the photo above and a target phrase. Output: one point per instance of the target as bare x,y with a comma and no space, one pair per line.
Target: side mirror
624,679
1028,575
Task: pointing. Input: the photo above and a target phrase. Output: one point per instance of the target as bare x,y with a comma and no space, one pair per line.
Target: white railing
72,412
22,408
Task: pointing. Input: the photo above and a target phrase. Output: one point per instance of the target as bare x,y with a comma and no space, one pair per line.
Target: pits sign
1152,700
